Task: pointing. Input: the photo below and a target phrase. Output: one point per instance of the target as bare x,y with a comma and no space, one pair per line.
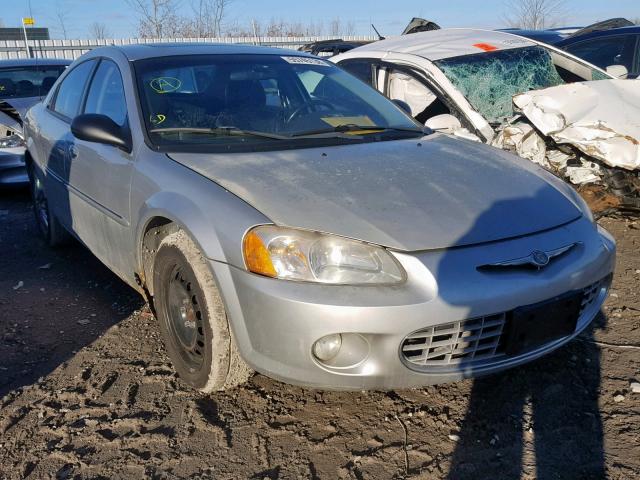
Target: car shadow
53,302
540,420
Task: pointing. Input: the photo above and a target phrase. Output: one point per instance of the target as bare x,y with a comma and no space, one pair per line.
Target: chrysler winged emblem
537,259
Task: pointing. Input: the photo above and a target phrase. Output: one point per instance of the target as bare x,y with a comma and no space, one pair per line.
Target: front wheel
192,318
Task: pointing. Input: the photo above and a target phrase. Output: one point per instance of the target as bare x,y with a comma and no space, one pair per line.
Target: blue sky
390,17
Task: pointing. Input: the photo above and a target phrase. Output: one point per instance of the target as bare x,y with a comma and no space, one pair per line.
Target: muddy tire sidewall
179,251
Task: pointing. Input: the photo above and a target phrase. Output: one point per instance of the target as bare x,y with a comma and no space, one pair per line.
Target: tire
192,318
48,224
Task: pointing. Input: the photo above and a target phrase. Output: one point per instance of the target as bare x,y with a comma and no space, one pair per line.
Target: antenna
380,37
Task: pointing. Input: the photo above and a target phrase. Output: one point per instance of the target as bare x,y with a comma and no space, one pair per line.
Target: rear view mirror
618,71
403,105
446,123
96,128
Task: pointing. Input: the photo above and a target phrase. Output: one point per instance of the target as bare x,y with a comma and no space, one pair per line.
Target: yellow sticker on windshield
360,120
165,84
157,119
357,120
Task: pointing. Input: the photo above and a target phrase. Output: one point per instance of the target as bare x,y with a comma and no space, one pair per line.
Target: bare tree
209,17
534,14
98,31
61,17
158,18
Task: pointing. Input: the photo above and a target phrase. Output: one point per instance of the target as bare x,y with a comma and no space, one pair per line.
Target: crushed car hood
416,194
599,118
13,109
21,105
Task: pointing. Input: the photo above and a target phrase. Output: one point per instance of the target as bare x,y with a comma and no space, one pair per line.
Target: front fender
215,219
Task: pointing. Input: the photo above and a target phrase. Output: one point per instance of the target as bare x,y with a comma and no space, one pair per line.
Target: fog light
327,347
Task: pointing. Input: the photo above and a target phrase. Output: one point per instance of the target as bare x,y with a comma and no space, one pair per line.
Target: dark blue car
617,46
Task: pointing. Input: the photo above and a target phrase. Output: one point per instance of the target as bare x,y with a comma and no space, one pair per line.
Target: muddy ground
87,391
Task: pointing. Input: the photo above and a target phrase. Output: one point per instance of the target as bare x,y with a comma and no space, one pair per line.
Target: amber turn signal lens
256,256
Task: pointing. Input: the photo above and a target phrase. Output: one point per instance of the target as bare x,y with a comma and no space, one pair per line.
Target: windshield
22,82
238,99
489,80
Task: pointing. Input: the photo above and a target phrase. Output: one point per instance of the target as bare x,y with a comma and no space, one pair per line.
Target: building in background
17,33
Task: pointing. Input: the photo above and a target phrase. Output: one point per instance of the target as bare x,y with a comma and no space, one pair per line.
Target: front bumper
13,170
276,322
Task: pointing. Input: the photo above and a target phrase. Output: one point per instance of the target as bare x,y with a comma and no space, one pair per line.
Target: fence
72,49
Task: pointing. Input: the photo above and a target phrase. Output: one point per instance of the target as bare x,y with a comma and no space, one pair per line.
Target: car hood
21,105
12,110
416,194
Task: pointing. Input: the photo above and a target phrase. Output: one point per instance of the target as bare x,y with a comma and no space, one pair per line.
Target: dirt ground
87,391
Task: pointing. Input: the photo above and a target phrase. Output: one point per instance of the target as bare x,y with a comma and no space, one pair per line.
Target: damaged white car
577,120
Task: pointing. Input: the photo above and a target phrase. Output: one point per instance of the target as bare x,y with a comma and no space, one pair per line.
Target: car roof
630,30
447,43
152,50
33,62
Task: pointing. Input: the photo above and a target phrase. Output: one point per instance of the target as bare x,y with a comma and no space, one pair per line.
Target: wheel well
155,231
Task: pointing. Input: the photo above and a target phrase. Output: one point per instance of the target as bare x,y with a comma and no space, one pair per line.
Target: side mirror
443,123
618,71
403,105
93,127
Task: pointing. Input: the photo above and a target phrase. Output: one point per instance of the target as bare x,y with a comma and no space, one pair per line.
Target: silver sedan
282,216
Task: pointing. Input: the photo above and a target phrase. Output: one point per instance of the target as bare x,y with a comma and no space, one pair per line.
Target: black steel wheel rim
40,205
185,319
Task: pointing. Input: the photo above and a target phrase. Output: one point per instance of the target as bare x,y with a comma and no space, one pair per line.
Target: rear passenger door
100,174
56,139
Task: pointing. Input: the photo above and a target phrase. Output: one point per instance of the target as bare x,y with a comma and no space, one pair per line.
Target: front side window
361,69
69,95
106,93
603,52
242,99
22,82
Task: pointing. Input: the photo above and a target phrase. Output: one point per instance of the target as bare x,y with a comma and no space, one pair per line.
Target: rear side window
69,96
604,52
106,93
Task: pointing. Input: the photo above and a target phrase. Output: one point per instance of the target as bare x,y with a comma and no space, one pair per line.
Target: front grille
478,340
453,343
590,295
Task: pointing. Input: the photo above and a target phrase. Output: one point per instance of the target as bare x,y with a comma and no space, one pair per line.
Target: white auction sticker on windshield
306,61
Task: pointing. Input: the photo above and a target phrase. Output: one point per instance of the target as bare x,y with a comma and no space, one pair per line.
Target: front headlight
300,255
11,141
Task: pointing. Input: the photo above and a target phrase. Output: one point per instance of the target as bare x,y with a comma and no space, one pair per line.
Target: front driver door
101,174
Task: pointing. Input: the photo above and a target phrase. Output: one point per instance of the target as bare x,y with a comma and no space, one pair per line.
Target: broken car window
489,80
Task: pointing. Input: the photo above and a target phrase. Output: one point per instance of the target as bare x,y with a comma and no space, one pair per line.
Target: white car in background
517,94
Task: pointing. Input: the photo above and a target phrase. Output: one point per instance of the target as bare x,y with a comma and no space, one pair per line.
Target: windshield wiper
351,127
230,131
